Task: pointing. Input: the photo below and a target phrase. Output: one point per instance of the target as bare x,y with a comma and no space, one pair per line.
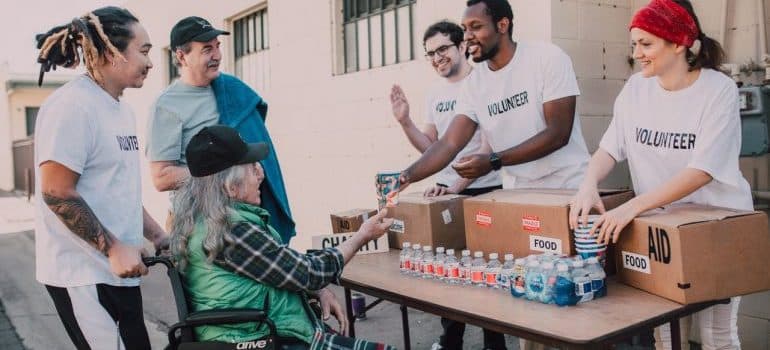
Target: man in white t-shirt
89,219
445,50
522,96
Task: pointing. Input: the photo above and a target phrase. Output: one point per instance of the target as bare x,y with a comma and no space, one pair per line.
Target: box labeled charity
690,253
436,221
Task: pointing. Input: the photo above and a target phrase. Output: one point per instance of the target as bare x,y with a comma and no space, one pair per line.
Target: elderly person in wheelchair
230,257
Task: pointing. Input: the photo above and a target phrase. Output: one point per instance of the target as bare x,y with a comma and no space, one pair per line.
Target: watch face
494,159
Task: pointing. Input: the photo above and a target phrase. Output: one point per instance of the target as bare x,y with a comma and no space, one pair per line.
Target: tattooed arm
57,183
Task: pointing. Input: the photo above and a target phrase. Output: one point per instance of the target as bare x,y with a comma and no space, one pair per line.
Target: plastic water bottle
405,265
549,283
478,265
503,279
564,290
517,280
598,277
416,259
452,267
465,267
438,264
534,280
492,271
582,282
427,262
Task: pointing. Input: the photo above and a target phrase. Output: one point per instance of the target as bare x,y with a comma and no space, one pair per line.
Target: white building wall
6,153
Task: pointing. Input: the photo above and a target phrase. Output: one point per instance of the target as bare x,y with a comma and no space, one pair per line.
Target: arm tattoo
81,220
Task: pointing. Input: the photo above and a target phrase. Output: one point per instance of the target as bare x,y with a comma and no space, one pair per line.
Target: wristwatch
495,161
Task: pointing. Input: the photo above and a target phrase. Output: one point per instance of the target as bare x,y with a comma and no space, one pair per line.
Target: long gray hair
205,199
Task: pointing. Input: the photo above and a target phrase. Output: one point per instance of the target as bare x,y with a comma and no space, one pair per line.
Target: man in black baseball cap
193,28
218,147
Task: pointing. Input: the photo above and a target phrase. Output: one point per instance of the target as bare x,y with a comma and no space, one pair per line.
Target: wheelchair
181,335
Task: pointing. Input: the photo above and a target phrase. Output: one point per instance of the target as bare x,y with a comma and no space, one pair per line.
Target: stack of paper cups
586,245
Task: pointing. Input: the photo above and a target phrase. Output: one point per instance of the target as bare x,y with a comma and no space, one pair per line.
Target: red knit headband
668,20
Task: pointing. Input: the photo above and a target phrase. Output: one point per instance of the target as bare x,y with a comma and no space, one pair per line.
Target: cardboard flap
419,198
537,196
679,214
352,212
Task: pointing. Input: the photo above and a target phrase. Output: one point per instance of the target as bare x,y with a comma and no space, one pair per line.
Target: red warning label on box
530,223
483,219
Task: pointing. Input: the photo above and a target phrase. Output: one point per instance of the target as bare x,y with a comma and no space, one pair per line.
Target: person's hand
399,104
161,243
437,190
375,226
581,204
611,223
330,306
473,166
126,260
403,181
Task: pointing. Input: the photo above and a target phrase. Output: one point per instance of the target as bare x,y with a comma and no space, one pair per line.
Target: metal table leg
405,325
351,317
676,335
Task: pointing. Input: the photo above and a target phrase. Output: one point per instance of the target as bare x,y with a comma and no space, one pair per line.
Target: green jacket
209,286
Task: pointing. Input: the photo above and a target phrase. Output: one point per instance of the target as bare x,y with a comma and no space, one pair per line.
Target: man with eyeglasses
445,51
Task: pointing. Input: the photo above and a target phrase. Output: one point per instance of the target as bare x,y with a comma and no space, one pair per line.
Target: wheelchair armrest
225,316
221,316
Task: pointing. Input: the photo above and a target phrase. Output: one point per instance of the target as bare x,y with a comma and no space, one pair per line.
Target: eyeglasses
441,51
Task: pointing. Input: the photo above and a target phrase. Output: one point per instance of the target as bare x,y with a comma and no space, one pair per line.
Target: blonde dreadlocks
92,36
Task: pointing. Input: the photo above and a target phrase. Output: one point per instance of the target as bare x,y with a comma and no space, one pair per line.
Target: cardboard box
350,220
691,253
379,245
437,221
525,222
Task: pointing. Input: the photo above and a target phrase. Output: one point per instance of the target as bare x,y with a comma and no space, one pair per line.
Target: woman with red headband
677,123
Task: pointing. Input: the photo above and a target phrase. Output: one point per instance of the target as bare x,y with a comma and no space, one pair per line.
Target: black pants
100,303
453,331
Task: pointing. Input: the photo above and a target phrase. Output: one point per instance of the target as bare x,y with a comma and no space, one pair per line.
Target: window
173,70
251,41
31,117
251,33
376,33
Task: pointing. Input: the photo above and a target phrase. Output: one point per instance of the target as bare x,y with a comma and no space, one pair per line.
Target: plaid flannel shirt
254,250
254,253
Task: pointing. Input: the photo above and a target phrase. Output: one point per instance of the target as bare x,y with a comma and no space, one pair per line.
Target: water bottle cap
406,245
416,246
450,251
561,267
592,260
493,256
508,256
548,265
466,252
440,250
533,263
427,248
478,254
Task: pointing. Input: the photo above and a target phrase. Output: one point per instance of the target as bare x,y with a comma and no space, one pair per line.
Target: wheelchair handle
154,260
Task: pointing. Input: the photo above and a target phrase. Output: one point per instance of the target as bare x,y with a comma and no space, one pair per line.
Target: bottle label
439,268
597,284
477,276
454,272
465,273
417,267
582,288
518,283
502,280
407,264
491,278
428,269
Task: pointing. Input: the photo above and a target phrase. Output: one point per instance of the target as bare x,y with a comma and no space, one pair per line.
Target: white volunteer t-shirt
83,128
440,104
508,106
662,132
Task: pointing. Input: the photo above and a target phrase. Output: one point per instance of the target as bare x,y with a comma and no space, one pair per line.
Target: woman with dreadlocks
88,209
